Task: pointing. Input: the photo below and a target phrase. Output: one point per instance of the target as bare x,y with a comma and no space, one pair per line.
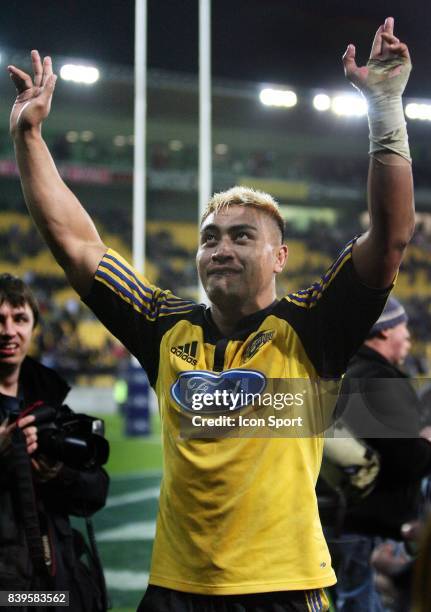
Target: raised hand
389,59
33,102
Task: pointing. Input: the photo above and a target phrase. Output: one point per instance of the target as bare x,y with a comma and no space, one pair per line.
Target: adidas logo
186,352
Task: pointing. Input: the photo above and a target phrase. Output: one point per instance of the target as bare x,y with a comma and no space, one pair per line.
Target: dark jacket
70,492
380,406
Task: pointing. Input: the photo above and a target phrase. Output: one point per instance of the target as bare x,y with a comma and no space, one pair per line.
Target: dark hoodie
385,412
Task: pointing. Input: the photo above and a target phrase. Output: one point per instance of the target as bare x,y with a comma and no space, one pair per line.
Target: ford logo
202,391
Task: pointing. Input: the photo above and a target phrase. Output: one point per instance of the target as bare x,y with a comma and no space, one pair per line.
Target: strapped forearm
390,178
386,120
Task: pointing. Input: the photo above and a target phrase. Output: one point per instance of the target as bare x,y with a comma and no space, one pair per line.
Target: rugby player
238,526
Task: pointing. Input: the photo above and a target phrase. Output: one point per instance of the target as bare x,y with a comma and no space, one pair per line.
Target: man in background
380,406
38,548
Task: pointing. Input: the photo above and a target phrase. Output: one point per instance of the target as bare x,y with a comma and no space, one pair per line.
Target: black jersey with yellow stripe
238,515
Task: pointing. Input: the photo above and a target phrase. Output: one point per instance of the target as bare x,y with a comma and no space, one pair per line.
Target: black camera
77,440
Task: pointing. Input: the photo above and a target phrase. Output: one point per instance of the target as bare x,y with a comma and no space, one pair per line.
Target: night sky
282,41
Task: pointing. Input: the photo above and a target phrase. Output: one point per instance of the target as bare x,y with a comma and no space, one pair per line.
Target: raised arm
378,253
60,218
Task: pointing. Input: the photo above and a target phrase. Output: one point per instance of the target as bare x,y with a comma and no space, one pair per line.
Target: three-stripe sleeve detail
307,298
115,273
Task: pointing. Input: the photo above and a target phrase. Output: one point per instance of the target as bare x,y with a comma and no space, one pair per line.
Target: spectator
379,405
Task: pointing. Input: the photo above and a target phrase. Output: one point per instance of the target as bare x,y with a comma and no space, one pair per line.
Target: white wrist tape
385,109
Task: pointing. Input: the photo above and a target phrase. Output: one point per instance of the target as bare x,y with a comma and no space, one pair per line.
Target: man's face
16,330
398,338
240,250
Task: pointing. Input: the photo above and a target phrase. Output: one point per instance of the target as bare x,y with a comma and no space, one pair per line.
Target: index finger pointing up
376,48
389,25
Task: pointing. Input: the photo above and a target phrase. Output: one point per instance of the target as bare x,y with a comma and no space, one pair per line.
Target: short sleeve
132,308
334,315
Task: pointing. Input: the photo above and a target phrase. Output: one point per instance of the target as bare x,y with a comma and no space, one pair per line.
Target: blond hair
245,196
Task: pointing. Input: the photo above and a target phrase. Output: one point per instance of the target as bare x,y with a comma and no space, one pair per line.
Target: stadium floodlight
415,110
322,102
349,105
80,74
278,97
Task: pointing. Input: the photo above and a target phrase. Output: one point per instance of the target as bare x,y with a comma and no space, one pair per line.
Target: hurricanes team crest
258,341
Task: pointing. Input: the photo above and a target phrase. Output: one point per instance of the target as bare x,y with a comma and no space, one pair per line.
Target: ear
384,334
282,255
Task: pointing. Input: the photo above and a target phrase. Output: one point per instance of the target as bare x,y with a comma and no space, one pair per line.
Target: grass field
125,527
132,455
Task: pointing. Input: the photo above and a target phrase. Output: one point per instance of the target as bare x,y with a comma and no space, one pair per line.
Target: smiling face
16,330
239,255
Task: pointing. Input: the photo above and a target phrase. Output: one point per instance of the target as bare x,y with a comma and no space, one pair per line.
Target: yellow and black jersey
237,515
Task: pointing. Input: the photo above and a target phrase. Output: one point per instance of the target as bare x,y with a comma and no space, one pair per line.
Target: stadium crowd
117,153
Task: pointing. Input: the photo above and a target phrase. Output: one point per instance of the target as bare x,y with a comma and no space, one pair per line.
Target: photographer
38,548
